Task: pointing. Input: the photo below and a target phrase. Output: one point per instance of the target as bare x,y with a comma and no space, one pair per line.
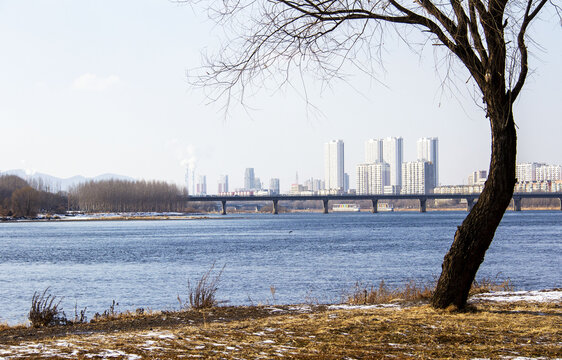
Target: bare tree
488,37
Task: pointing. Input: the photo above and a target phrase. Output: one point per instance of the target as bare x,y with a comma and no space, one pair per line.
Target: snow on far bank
542,296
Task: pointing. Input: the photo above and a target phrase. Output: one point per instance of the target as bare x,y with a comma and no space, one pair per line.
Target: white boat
385,207
346,207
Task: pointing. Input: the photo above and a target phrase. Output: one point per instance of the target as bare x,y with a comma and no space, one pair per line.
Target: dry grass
492,331
411,292
45,311
485,285
203,295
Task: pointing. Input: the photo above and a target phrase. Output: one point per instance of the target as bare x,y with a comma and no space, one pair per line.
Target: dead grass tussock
45,310
485,285
413,292
492,331
383,294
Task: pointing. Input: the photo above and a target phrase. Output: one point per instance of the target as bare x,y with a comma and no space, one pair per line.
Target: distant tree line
19,198
126,196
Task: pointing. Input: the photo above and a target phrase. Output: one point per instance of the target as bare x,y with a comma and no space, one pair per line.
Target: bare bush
45,310
203,294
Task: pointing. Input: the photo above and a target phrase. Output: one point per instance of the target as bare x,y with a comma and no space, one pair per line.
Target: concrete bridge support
517,204
469,204
560,203
423,204
375,205
223,202
275,210
325,202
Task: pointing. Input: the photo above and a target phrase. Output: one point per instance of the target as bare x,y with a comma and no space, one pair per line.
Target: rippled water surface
306,257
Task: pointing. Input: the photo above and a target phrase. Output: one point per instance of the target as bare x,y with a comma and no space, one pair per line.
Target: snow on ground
366,307
542,296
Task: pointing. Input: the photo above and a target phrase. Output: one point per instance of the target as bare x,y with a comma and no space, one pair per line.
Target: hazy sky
91,87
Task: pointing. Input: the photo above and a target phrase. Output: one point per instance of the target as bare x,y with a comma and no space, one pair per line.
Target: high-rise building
478,177
201,186
392,154
223,184
428,150
249,179
372,178
334,165
373,151
417,177
526,172
548,173
274,186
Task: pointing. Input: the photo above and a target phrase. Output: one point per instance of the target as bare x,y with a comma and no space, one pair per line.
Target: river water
305,257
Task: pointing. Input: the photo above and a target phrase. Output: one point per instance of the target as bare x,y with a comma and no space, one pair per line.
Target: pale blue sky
90,87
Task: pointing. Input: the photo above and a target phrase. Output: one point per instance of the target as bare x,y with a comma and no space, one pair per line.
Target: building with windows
372,178
334,165
249,179
428,150
548,173
201,186
478,177
274,186
373,151
417,177
222,184
393,149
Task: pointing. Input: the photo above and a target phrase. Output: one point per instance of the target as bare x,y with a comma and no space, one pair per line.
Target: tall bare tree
488,37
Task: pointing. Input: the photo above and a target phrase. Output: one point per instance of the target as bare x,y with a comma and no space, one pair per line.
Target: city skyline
80,99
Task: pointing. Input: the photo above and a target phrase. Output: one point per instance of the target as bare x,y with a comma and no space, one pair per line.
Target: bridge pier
517,204
375,205
560,203
275,210
325,202
423,204
223,202
469,204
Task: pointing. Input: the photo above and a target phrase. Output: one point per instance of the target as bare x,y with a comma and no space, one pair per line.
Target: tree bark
475,235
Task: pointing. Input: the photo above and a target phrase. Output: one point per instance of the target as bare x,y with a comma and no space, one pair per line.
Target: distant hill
54,184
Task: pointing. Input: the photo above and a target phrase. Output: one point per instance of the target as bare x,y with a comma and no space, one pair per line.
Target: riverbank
520,325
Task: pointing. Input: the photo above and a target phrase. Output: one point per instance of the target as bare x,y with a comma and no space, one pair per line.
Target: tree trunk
475,235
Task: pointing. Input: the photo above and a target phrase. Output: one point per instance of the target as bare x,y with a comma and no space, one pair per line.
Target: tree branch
529,16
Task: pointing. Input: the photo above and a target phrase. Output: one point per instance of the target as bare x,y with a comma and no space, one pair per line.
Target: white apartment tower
392,154
249,179
372,178
417,177
373,151
223,184
428,150
334,165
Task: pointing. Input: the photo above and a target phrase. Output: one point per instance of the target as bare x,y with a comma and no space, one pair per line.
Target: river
305,257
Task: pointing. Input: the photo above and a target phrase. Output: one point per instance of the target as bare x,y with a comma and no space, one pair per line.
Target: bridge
422,198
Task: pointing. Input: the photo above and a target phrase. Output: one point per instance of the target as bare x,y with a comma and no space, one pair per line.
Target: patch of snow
542,296
114,354
268,342
363,307
301,308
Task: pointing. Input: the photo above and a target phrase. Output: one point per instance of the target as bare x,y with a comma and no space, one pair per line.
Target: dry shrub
485,285
410,292
203,295
414,292
109,314
45,311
